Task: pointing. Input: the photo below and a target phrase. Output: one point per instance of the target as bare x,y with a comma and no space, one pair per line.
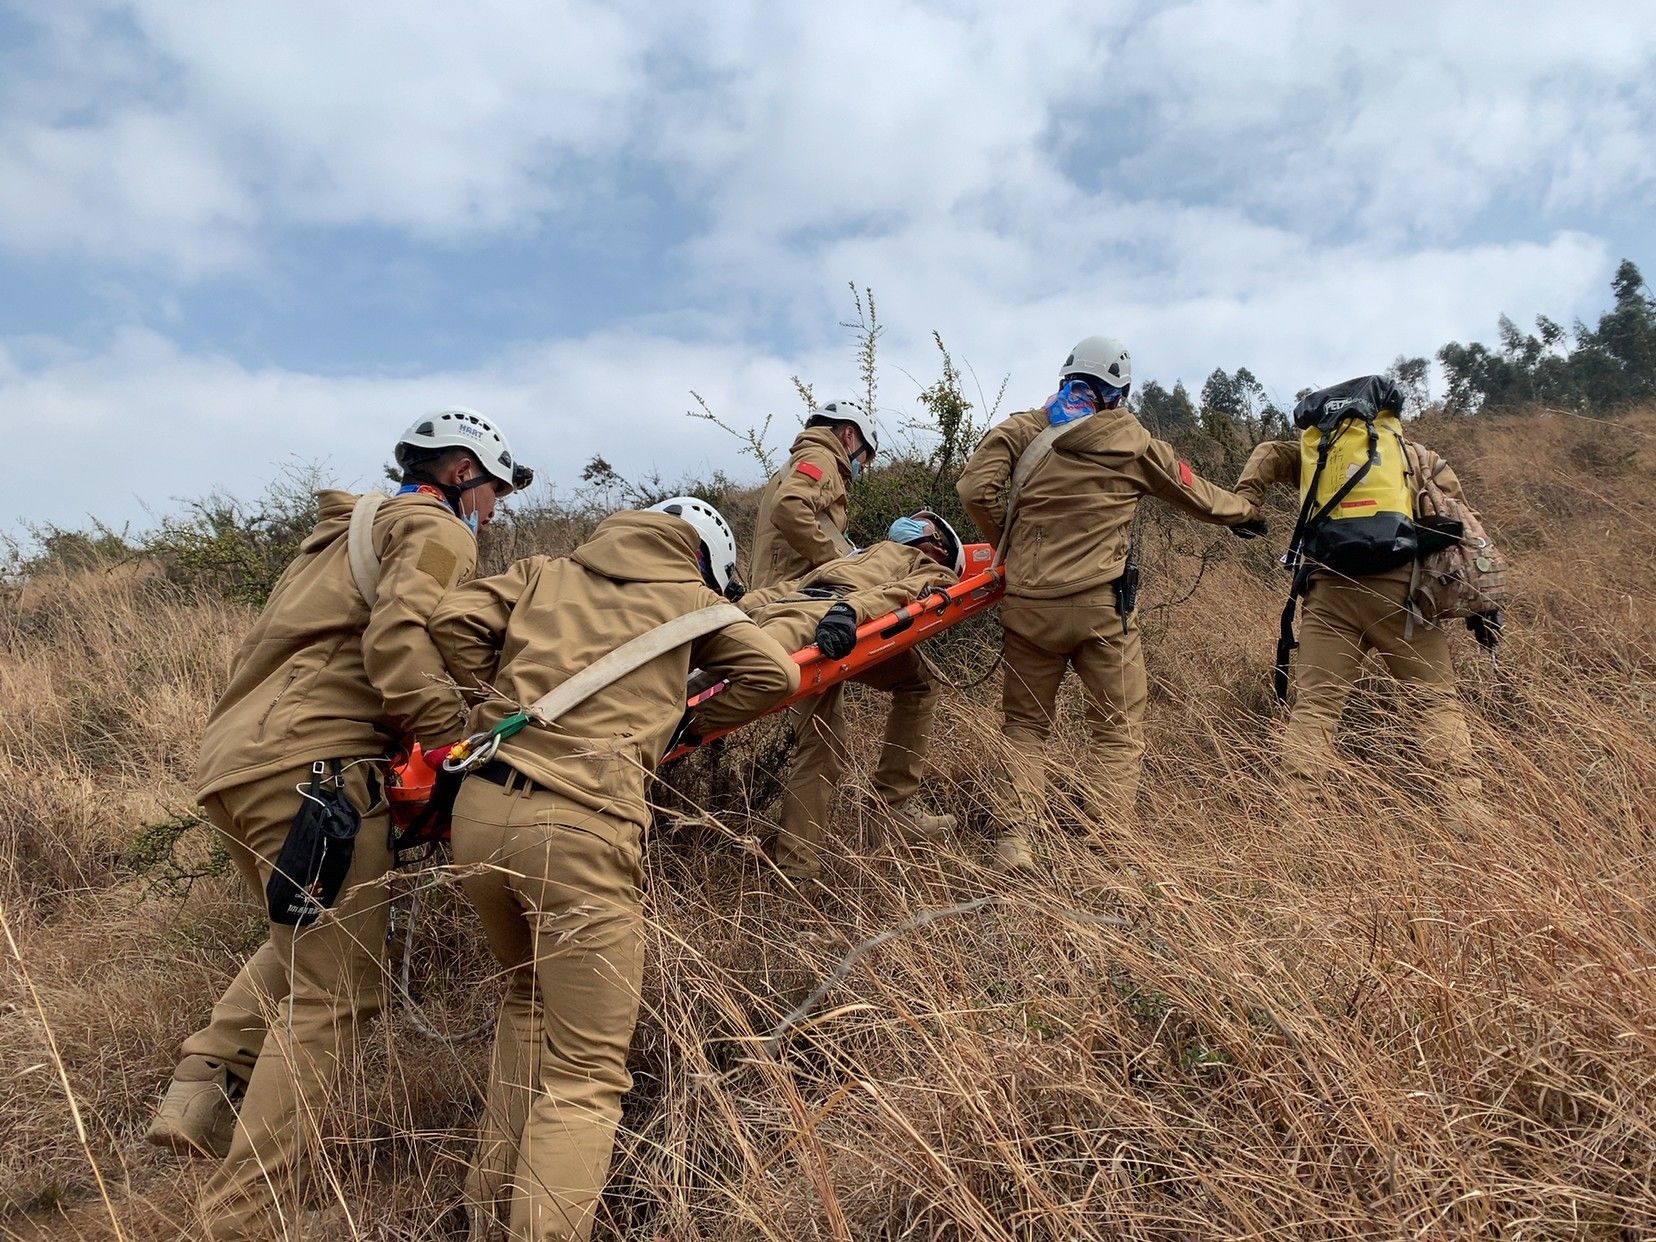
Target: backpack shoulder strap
633,654
1040,448
359,545
835,536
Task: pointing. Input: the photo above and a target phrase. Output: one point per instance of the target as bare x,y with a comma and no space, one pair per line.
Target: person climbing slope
825,607
1055,489
337,668
553,822
1358,551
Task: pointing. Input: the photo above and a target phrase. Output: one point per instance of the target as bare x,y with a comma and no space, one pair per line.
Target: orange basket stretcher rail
979,590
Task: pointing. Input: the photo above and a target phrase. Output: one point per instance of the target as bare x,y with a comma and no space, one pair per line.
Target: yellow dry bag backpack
1356,512
1356,505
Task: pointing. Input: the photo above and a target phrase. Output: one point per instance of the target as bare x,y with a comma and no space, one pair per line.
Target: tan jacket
1276,463
880,579
788,539
528,630
318,677
1075,514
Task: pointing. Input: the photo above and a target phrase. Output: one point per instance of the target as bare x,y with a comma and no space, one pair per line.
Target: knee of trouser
339,1002
816,734
1306,750
812,764
522,994
922,694
1117,742
1317,704
1026,732
1434,703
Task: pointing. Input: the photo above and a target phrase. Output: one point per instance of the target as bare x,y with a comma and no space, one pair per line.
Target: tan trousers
819,757
1345,619
1043,638
293,1015
561,910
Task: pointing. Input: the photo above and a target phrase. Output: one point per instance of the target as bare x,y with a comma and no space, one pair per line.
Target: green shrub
234,549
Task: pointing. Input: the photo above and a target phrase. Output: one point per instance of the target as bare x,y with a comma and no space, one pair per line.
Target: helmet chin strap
451,491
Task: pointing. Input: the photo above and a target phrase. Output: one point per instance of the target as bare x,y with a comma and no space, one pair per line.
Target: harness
602,673
1040,448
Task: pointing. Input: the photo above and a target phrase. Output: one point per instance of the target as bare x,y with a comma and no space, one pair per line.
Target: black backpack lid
1366,396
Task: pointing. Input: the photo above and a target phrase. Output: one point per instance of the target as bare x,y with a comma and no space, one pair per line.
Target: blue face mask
1074,399
856,468
906,530
470,520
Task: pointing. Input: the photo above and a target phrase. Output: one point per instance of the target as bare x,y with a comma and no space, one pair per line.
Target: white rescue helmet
1102,358
717,540
848,411
459,426
949,538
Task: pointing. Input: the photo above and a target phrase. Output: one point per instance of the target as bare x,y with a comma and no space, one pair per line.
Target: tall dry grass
1240,1016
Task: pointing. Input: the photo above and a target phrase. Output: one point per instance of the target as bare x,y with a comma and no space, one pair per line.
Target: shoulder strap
842,545
1352,480
1040,448
359,545
633,654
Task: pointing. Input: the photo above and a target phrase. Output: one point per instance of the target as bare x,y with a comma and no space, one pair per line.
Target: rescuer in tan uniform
1347,617
802,509
825,607
1065,552
558,817
800,527
323,676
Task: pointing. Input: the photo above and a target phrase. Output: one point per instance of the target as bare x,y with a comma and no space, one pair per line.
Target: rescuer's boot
1012,852
912,823
197,1115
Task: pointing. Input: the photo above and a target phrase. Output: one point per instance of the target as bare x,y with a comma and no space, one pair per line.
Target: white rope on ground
411,1007
773,1041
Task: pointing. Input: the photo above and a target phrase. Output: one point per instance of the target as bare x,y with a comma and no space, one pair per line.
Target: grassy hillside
1240,1017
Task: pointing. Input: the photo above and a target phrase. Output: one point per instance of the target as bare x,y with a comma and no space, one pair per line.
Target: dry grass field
1240,1017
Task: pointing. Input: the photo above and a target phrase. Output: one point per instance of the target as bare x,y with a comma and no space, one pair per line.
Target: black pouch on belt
314,860
1126,588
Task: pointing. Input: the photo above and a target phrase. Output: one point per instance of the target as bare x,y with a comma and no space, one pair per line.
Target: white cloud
229,118
141,187
1302,188
1416,115
786,126
145,421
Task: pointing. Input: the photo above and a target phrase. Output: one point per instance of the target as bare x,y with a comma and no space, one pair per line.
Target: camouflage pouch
1462,573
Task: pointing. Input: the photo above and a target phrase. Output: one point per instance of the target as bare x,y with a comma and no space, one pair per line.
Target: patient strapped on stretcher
879,579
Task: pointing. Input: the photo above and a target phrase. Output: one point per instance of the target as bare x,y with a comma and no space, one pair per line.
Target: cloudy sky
234,236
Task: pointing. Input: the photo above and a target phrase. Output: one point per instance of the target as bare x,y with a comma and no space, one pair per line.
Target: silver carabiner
480,748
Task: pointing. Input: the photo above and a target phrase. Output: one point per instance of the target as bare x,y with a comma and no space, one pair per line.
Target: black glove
1250,530
836,633
1486,628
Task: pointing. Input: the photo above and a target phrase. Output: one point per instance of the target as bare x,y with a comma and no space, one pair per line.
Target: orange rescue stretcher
978,590
412,779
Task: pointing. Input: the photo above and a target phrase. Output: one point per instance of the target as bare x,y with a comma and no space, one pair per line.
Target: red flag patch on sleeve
813,473
1186,475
